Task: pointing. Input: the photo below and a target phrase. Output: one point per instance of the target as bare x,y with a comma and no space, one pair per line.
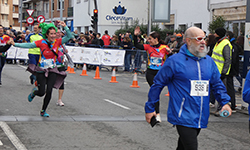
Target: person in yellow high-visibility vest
221,55
34,53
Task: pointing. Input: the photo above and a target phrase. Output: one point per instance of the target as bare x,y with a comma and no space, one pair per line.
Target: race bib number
156,61
199,88
47,63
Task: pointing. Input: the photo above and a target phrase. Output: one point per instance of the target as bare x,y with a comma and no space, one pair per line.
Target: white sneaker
60,103
158,117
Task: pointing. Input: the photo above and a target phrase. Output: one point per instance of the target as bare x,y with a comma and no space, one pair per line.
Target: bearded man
189,75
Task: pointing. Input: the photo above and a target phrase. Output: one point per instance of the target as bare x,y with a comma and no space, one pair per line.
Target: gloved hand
222,76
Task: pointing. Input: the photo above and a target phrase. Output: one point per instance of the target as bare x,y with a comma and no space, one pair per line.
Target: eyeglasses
198,39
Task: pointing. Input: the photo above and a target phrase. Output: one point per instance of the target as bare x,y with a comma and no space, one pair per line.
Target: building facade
9,13
44,8
112,14
199,13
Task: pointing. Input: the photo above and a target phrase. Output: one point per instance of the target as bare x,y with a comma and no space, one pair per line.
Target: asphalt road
99,115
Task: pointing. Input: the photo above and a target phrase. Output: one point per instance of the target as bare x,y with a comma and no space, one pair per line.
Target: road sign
40,19
30,20
30,11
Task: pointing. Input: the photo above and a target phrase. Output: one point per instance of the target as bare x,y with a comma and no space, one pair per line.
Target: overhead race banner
80,55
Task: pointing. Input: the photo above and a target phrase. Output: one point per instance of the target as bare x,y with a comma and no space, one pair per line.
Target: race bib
156,61
199,88
47,63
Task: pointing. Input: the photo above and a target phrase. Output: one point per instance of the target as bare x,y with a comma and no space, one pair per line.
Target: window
47,7
198,25
183,26
59,4
52,4
14,9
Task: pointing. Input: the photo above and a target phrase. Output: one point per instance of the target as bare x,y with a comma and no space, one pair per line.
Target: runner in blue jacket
246,93
189,75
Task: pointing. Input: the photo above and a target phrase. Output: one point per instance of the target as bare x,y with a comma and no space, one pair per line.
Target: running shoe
32,95
44,114
158,117
0,84
211,105
60,103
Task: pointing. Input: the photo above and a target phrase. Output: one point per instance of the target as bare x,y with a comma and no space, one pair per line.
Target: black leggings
187,138
150,74
41,83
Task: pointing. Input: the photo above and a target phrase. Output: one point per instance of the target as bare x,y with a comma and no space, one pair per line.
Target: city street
99,115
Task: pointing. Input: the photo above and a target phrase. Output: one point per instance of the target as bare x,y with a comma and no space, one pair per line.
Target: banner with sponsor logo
22,53
96,56
80,55
113,57
11,53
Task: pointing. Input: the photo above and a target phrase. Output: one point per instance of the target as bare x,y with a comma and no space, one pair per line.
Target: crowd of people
197,69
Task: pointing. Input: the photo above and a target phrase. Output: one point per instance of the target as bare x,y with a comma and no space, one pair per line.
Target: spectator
210,42
221,55
83,40
106,38
100,41
167,39
234,71
172,43
127,45
115,41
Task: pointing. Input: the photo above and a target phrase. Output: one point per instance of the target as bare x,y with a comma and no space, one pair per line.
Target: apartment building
9,13
43,7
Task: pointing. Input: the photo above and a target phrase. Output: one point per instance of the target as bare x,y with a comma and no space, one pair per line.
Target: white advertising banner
91,55
11,53
80,55
74,53
22,53
113,57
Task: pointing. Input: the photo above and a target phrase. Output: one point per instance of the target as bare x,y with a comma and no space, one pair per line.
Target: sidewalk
239,107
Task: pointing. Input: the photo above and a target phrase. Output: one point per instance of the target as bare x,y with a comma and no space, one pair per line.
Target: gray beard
195,51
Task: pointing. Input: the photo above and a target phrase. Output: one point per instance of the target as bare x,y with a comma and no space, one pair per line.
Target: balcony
5,23
15,15
5,9
15,2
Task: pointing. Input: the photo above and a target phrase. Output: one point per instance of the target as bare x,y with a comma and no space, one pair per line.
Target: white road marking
1,143
116,104
11,135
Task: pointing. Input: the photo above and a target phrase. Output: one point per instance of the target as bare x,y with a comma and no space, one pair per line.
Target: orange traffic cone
84,71
135,82
113,77
97,74
68,69
72,70
167,94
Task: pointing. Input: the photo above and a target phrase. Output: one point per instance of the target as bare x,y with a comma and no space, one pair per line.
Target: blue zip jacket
177,73
246,91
